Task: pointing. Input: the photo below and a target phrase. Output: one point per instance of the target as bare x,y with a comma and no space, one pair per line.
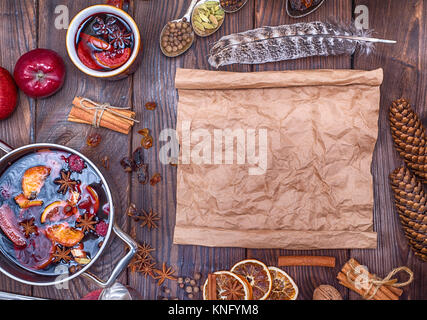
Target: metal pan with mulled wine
53,212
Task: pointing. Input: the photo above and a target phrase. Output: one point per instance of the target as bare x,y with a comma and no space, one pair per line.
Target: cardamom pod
213,20
208,25
199,25
203,17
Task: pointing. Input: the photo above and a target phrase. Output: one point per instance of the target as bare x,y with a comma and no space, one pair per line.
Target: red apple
40,73
8,94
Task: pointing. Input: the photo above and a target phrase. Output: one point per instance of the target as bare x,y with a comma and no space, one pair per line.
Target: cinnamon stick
383,292
319,261
344,281
108,120
212,286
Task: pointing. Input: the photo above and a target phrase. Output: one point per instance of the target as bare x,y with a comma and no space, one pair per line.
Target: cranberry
101,228
75,163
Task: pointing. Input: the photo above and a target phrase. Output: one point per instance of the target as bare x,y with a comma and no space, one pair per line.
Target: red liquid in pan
55,215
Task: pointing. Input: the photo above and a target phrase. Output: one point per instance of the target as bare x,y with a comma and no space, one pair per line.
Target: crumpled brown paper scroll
316,192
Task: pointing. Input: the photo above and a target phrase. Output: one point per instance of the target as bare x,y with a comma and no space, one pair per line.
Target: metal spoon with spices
207,17
177,36
231,6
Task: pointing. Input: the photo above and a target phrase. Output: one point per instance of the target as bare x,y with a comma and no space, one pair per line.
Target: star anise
62,254
28,227
138,262
119,38
144,250
147,269
86,222
165,273
65,182
233,290
149,219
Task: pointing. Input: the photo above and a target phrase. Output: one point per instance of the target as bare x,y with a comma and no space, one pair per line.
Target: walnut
326,292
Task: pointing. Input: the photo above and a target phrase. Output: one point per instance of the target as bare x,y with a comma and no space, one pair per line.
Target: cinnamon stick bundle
102,115
348,277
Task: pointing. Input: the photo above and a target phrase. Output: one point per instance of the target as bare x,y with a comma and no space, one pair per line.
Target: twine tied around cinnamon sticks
87,111
100,109
355,277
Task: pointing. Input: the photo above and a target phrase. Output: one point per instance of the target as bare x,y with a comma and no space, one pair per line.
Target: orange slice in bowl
229,286
257,275
284,288
64,234
33,180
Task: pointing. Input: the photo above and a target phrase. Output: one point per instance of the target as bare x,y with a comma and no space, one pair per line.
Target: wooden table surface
28,24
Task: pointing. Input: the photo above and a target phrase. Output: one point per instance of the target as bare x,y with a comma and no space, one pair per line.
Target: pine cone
411,204
409,137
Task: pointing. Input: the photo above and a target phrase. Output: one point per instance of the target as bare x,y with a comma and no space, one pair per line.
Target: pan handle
5,147
121,265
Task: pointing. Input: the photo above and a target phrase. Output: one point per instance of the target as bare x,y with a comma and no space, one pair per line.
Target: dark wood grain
18,35
27,24
404,76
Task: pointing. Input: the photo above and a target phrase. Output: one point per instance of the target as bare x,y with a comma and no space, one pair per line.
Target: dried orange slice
284,288
258,276
229,286
33,180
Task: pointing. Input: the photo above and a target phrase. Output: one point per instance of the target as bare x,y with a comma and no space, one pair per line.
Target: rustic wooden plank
272,13
154,81
17,36
404,76
52,126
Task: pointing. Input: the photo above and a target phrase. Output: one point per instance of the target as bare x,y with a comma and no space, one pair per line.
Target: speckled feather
287,42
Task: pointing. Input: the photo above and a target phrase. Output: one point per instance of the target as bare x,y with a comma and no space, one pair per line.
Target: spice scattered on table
151,105
105,162
155,179
93,140
164,273
149,219
177,37
326,292
319,261
207,18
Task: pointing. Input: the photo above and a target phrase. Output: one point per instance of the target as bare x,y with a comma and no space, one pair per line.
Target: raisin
150,105
127,164
93,140
138,157
142,175
147,142
155,179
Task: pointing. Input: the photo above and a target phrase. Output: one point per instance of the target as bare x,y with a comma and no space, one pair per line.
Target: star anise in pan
86,222
62,254
65,182
28,227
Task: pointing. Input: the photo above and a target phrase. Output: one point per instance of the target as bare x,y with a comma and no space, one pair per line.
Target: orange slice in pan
284,288
258,276
64,234
229,286
33,180
24,203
